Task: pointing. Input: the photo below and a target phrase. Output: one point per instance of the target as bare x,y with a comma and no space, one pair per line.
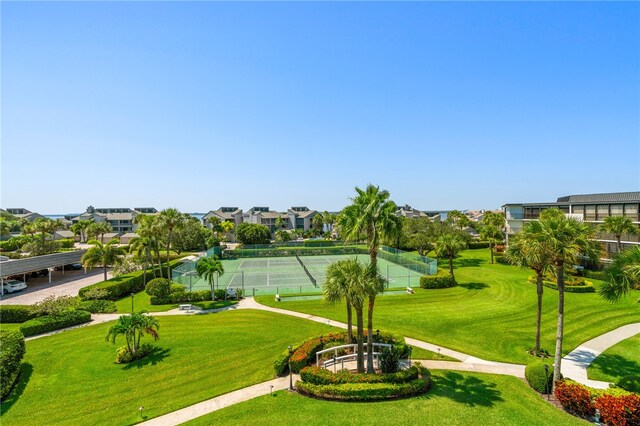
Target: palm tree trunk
619,245
491,250
558,355
168,269
372,300
104,268
540,288
451,268
360,359
349,323
146,265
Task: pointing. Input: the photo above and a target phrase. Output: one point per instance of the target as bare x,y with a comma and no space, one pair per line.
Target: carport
37,263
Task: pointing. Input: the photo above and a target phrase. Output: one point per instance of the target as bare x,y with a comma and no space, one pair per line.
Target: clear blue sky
197,105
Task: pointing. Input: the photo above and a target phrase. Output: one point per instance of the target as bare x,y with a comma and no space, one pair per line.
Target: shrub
322,376
619,410
594,275
538,378
281,364
97,306
575,398
440,280
123,356
473,245
66,243
571,286
503,260
253,233
317,243
12,350
124,285
305,354
54,322
54,305
16,313
95,294
158,287
630,383
182,296
390,359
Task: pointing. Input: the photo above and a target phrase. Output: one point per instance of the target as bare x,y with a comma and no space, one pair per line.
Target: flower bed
617,406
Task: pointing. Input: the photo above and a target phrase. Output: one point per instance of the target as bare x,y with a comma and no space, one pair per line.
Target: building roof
120,216
129,235
610,197
65,234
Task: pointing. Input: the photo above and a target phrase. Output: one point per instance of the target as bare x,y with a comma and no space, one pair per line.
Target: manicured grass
491,314
419,353
142,302
456,399
71,377
619,360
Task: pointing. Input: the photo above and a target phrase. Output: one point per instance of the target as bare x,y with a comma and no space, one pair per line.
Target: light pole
132,295
290,372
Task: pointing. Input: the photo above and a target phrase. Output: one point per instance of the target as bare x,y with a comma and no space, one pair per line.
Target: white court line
268,263
267,280
241,263
235,274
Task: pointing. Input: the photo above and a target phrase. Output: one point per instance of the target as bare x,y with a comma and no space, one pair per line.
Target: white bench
185,307
410,290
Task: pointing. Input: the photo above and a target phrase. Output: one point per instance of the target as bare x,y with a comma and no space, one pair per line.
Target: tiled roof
611,197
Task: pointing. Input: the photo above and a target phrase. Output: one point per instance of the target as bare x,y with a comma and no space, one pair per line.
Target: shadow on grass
617,366
465,263
21,384
156,355
467,390
473,286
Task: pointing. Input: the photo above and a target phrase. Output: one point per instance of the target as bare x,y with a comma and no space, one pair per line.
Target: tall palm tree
374,285
207,268
492,227
448,245
335,289
373,215
141,247
317,221
528,249
567,239
103,255
623,274
170,220
618,225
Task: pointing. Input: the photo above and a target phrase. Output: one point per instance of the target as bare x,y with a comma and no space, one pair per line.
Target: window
616,209
603,211
578,210
590,212
631,211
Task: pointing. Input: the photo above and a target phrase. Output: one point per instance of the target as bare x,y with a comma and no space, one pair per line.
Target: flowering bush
575,398
619,410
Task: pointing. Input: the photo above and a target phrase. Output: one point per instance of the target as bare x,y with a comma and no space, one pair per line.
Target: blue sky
197,105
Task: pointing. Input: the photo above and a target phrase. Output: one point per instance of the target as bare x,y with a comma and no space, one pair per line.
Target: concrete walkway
209,406
575,364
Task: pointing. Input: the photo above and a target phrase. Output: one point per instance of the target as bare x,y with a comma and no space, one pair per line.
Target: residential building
264,216
300,218
409,212
591,208
225,214
120,218
22,213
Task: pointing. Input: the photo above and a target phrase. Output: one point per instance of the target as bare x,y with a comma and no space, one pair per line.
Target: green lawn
141,301
419,353
491,314
456,399
619,360
70,378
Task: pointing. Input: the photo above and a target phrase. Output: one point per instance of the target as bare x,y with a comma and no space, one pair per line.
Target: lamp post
290,372
546,381
132,295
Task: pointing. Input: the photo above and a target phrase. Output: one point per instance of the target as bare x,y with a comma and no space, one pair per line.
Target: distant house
409,212
22,213
264,216
121,219
225,214
64,234
300,218
126,238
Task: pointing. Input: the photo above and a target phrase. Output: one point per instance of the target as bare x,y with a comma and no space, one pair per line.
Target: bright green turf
142,302
619,360
419,353
70,378
10,326
456,399
491,314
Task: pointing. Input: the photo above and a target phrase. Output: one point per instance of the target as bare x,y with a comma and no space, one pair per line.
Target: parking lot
67,284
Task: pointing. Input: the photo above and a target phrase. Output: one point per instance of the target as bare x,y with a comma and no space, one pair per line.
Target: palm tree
623,274
492,226
207,268
170,220
102,255
528,249
133,327
141,246
227,227
317,221
618,225
567,239
374,285
373,215
448,245
335,289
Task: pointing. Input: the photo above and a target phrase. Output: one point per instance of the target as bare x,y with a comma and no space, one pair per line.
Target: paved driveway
39,288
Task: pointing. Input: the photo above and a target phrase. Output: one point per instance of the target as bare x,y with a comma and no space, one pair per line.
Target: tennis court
293,274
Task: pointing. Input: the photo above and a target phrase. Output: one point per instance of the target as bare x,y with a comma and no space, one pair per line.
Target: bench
185,307
410,290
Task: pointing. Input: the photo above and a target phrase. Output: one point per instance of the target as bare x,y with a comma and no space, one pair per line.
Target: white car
9,286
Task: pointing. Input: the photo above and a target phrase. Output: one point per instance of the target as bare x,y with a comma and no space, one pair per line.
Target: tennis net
306,271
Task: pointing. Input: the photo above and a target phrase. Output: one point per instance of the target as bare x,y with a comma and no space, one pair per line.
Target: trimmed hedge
587,287
48,323
630,383
158,287
12,350
66,243
322,376
594,275
16,313
474,245
440,280
619,410
126,284
575,398
535,375
291,251
97,306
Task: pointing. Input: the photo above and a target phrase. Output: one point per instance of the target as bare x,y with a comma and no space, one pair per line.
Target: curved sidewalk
575,364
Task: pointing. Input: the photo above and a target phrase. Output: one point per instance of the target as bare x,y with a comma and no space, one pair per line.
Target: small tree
102,255
618,225
448,246
207,268
253,233
133,327
622,274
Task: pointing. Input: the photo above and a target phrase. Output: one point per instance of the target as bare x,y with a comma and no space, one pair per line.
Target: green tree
492,229
281,223
227,228
372,215
458,219
140,246
567,239
192,236
253,233
133,327
336,288
448,246
99,228
318,221
170,220
619,225
622,274
528,249
102,255
147,227
282,235
418,234
207,268
80,228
